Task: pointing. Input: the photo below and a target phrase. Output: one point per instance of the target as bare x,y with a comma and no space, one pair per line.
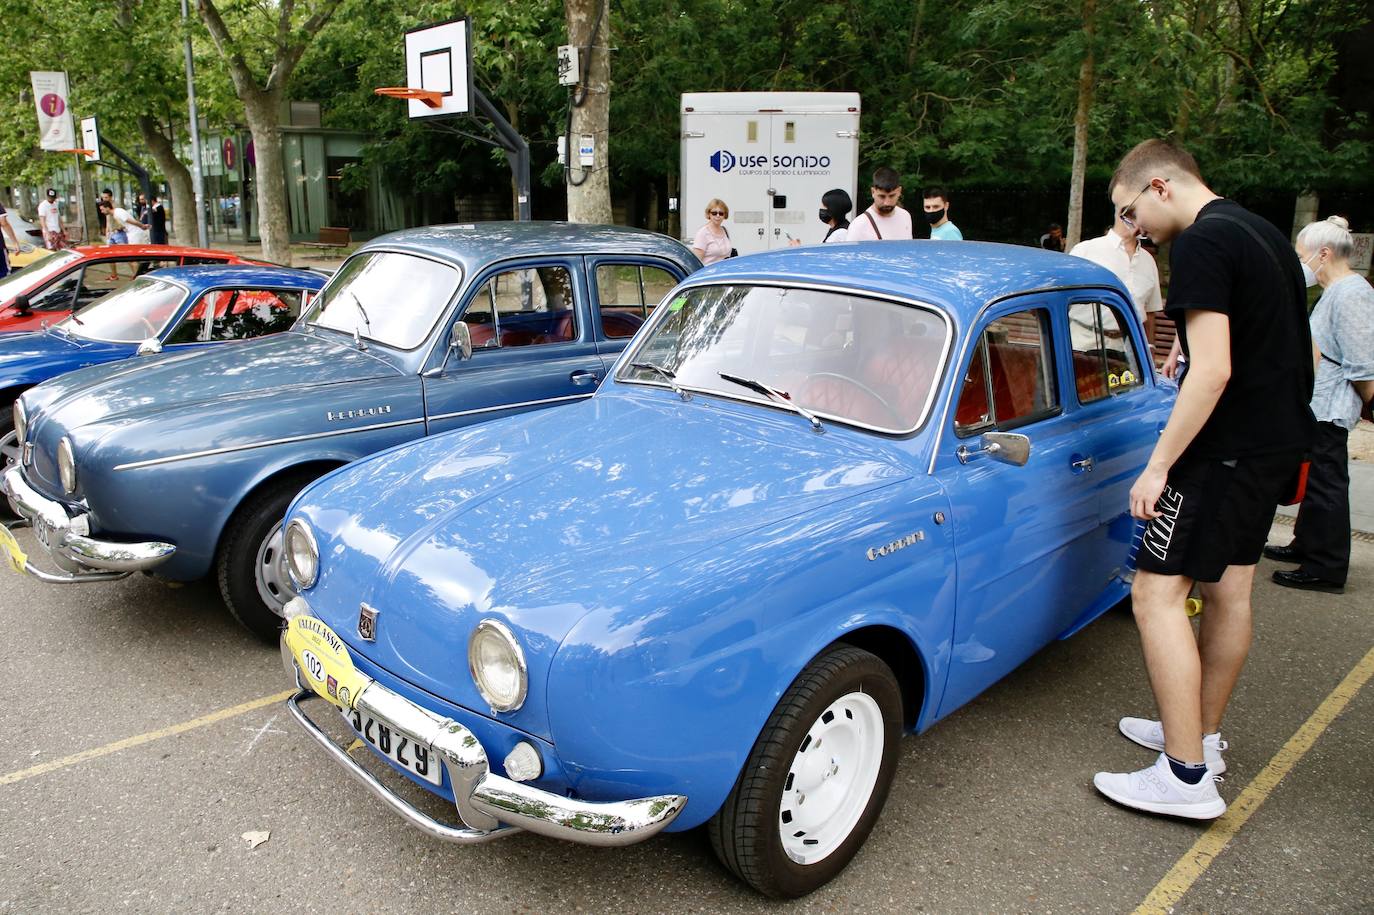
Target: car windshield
132,315
36,272
386,296
841,356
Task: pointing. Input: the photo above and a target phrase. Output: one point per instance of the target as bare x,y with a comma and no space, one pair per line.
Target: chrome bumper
65,538
489,805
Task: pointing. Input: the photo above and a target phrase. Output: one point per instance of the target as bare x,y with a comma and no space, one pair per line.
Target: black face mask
935,217
825,216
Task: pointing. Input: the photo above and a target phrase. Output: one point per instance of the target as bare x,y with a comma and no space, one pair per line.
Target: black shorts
1215,514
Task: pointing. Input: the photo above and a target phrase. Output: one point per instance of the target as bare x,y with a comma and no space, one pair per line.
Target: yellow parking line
1195,862
127,742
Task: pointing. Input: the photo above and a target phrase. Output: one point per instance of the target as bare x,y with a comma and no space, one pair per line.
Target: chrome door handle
1083,464
583,377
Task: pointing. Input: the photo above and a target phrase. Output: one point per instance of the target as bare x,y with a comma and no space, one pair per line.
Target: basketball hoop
79,152
429,97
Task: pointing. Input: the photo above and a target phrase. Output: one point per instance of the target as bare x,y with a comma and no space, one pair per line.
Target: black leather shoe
1282,553
1300,579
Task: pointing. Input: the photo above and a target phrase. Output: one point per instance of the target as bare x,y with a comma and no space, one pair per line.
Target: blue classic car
170,310
828,495
185,465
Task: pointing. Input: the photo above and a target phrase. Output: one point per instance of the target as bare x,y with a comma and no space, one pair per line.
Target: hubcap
9,449
831,778
274,585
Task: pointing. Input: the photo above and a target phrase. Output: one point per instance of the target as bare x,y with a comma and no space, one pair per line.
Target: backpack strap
1301,291
874,225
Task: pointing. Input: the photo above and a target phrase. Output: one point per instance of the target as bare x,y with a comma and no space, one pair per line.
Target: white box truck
770,156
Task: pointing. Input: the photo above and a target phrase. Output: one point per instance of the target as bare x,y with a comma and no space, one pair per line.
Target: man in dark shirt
157,221
1234,441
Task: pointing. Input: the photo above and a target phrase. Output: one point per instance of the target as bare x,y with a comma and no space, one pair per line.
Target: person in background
157,221
140,207
1120,252
885,220
712,242
106,197
50,221
1343,342
8,231
1053,240
834,212
936,204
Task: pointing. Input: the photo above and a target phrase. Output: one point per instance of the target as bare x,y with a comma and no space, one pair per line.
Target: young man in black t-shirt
1235,439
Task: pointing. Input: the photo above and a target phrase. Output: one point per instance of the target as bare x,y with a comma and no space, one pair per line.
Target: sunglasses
717,212
1127,213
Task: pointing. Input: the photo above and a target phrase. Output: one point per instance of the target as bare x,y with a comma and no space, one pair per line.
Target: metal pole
517,150
81,201
197,172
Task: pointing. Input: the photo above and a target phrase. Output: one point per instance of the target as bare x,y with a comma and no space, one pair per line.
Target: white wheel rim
831,779
274,584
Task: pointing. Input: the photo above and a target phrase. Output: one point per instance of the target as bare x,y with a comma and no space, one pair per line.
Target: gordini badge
367,623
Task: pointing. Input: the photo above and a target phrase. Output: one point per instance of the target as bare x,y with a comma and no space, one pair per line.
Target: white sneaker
1157,790
1149,733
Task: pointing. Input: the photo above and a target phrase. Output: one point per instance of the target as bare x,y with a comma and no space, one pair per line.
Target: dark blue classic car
172,310
185,465
828,495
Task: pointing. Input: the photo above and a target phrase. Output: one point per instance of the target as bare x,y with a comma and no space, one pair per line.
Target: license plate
10,548
42,533
396,746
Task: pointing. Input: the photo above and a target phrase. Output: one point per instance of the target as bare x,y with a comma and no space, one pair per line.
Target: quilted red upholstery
1088,377
1015,383
840,397
902,373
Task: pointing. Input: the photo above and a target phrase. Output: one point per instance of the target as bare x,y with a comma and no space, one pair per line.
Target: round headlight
66,465
498,666
21,421
302,555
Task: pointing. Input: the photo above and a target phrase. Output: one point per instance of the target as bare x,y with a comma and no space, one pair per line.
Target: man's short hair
1055,225
937,191
108,191
1151,158
886,179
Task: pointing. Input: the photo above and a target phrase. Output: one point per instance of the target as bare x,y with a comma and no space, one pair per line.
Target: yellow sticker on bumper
10,547
325,661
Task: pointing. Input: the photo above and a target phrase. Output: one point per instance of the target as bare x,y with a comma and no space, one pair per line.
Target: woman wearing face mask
835,207
712,241
1343,348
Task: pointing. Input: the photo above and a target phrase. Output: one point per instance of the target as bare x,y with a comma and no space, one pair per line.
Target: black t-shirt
157,225
1216,265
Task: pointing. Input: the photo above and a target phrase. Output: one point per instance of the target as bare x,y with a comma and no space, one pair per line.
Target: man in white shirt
1121,253
884,220
50,221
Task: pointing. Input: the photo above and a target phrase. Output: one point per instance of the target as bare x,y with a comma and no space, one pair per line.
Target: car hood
538,520
146,385
27,358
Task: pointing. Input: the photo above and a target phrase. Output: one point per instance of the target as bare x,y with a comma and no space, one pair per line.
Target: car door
533,345
1017,529
625,291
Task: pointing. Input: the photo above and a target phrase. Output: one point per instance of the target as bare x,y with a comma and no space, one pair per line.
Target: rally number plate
9,550
396,746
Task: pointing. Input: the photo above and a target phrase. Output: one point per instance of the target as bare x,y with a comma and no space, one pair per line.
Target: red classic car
54,286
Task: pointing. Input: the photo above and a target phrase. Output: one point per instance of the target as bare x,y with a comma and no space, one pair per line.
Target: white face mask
1308,273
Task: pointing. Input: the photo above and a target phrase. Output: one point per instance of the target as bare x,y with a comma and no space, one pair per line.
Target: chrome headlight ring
66,465
302,554
497,664
21,421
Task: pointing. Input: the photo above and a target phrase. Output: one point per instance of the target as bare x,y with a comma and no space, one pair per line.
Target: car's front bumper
66,538
488,804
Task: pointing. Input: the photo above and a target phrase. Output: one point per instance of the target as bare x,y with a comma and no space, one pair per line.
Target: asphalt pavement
144,736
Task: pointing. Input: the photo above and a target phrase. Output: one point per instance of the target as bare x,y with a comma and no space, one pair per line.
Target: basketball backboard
439,59
90,137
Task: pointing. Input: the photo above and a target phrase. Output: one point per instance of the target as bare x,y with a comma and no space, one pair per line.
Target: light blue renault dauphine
827,495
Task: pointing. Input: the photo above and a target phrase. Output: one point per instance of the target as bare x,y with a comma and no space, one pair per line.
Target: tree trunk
178,179
1080,128
1305,211
274,227
589,188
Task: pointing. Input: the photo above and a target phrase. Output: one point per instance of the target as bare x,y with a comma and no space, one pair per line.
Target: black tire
6,427
746,833
236,561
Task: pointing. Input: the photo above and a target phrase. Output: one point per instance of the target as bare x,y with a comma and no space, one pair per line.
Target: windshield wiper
773,394
666,374
358,340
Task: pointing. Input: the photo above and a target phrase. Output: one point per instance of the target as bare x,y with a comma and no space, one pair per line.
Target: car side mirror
150,347
460,339
21,306
1009,447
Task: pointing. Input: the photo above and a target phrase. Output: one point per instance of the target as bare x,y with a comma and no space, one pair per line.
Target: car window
58,296
130,315
101,278
628,293
46,267
844,356
1104,360
530,306
1010,376
237,314
202,261
386,296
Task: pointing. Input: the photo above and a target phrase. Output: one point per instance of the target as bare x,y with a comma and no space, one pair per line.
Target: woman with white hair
1343,349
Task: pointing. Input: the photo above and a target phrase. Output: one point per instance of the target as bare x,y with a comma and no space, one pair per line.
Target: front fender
667,689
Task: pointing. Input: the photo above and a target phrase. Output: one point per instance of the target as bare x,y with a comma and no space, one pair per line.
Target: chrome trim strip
508,406
211,452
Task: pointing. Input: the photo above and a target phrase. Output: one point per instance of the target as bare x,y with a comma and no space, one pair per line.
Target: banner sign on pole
90,137
51,98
